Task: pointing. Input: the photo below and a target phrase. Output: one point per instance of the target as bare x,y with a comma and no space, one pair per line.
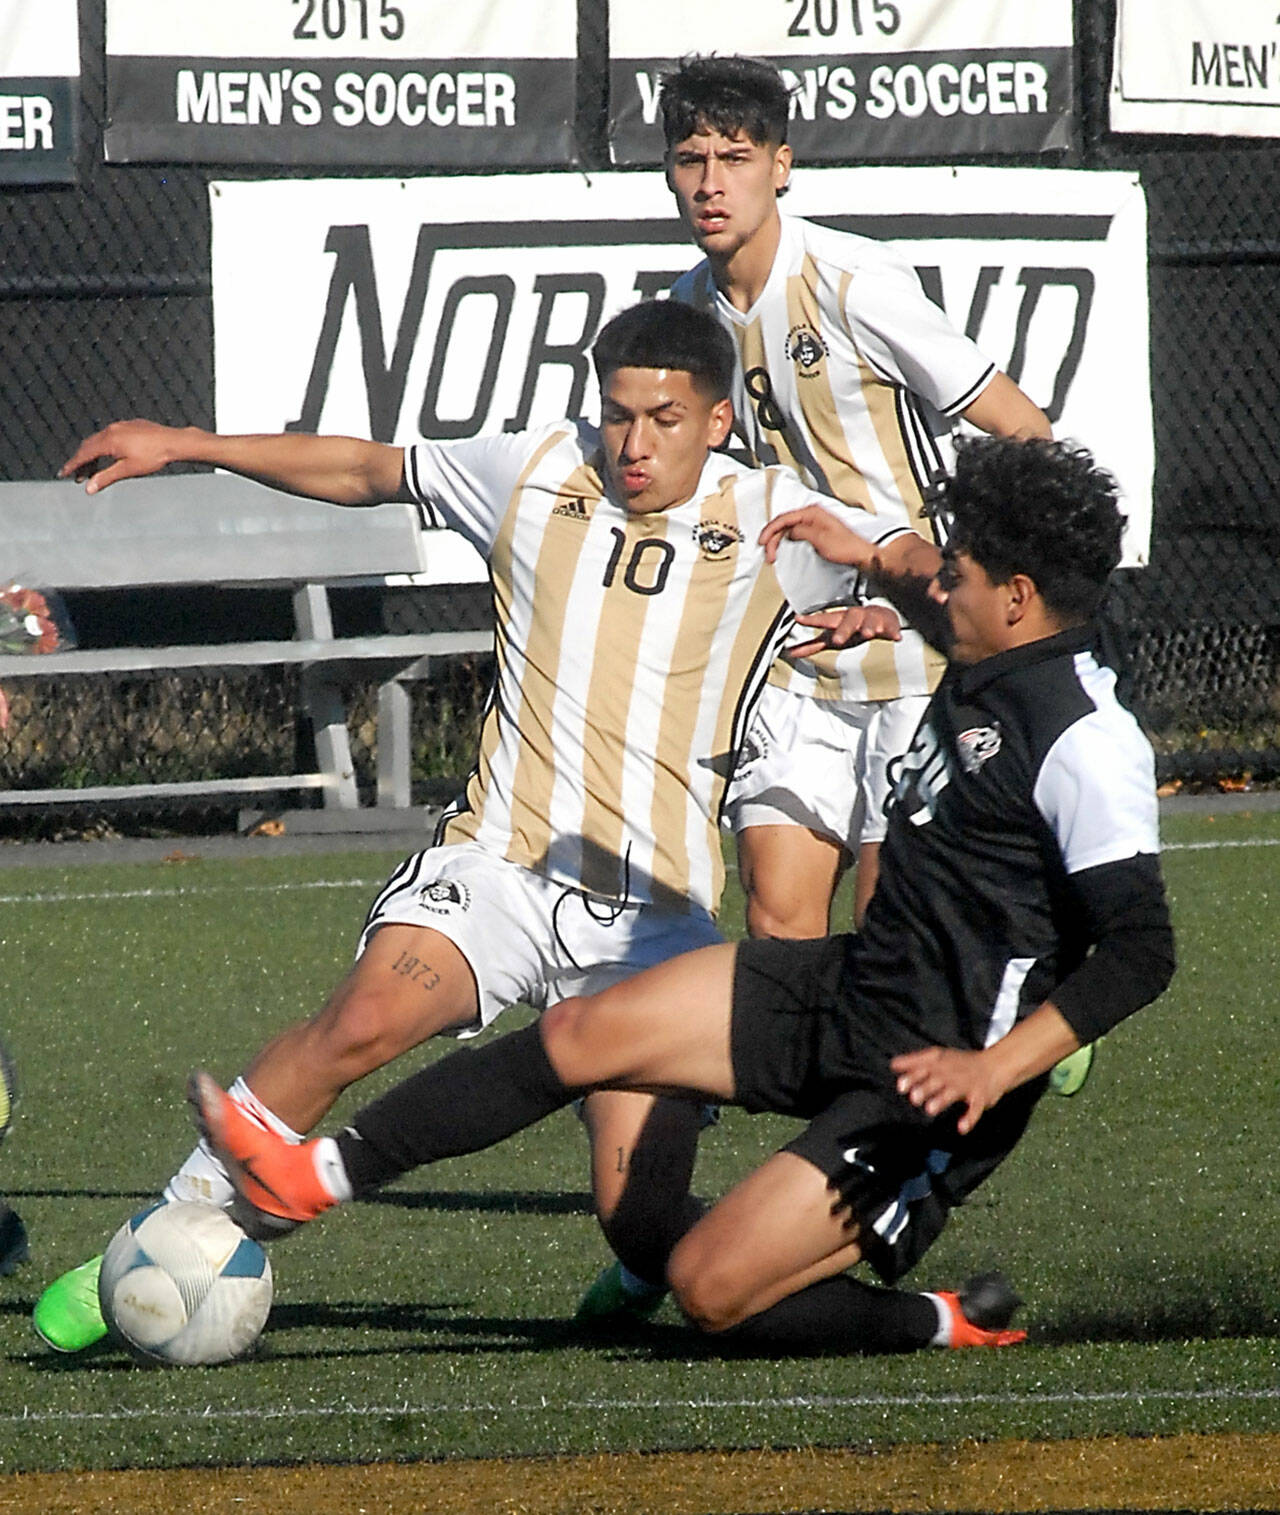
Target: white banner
450,307
39,91
369,82
873,79
1198,67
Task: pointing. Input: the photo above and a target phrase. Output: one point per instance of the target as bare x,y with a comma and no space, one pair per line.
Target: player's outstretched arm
343,470
1003,410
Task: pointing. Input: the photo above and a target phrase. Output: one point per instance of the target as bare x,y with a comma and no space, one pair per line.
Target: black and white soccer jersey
1021,860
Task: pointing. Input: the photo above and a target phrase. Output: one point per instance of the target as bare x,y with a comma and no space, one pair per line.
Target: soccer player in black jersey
1020,913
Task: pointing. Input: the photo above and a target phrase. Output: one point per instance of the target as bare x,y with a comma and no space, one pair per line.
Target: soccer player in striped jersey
636,618
851,377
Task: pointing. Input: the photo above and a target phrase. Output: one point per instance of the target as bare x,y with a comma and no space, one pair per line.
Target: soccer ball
182,1283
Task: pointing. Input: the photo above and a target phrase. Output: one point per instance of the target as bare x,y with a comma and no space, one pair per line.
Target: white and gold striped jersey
630,651
852,377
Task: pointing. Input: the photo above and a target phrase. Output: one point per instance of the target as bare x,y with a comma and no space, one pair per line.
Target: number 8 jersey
630,651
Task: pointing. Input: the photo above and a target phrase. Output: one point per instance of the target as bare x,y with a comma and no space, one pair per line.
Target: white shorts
821,764
527,939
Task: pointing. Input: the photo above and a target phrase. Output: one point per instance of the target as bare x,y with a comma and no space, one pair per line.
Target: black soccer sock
843,1315
462,1103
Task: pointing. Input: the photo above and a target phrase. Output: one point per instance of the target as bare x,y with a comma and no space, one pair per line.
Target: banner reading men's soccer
1197,66
873,79
451,307
39,91
370,82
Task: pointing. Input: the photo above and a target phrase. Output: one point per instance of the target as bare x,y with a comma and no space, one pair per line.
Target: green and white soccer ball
182,1283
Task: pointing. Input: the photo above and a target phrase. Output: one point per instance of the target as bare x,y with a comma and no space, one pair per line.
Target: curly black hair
667,334
1037,507
730,94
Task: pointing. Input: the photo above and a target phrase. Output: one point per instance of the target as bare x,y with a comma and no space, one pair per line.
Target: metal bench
217,530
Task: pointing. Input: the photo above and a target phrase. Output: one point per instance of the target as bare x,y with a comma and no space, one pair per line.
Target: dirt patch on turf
1201,1473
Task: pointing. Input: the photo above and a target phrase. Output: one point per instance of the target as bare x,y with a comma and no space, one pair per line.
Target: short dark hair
1037,507
730,95
667,334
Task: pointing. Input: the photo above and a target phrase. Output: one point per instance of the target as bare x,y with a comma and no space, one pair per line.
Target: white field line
203,891
541,1406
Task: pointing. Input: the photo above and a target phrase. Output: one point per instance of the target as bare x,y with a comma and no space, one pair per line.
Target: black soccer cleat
989,1301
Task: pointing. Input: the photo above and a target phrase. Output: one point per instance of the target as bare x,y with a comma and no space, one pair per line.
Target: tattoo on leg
415,970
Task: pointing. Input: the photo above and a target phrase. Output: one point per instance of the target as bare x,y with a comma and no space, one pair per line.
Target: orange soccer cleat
981,1312
279,1184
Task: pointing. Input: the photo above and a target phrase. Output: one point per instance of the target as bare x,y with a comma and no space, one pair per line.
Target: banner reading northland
873,79
451,307
327,82
39,91
1197,66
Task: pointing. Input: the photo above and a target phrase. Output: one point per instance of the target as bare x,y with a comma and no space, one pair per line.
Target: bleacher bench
217,530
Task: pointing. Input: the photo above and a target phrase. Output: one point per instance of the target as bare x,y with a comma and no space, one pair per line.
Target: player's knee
707,1286
562,1037
568,1032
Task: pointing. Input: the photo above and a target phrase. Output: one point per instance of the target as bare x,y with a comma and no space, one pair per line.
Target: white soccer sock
249,1101
202,1179
331,1170
942,1336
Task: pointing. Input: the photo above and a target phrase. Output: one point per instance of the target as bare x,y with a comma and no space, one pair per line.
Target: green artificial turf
1139,1219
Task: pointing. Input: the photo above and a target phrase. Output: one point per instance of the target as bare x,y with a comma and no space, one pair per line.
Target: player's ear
720,423
1022,591
781,168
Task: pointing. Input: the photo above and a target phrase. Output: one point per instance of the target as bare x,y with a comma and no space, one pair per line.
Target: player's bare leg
772,1234
789,875
642,1156
411,983
769,1263
666,1028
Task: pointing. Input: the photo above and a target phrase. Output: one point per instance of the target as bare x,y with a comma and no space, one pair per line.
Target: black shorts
800,1047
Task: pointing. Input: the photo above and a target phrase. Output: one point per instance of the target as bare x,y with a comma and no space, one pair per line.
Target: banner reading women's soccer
39,91
1197,66
873,79
369,82
451,307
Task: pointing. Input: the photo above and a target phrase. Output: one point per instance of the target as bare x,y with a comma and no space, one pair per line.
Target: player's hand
843,628
123,450
829,537
936,1078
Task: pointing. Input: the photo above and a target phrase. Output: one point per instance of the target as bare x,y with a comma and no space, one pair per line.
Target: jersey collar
978,676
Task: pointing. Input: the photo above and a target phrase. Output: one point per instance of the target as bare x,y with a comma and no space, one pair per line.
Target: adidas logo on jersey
715,539
574,510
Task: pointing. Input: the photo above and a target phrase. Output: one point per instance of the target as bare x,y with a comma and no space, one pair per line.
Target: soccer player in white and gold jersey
851,377
636,617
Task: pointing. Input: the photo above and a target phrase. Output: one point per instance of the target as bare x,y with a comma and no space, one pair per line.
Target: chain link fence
106,310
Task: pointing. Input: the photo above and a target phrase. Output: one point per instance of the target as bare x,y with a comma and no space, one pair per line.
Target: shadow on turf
508,1201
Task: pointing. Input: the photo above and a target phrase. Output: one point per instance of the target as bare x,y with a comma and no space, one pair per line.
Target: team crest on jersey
806,349
714,538
445,896
576,509
978,745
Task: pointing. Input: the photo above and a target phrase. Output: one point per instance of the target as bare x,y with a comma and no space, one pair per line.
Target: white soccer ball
182,1283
